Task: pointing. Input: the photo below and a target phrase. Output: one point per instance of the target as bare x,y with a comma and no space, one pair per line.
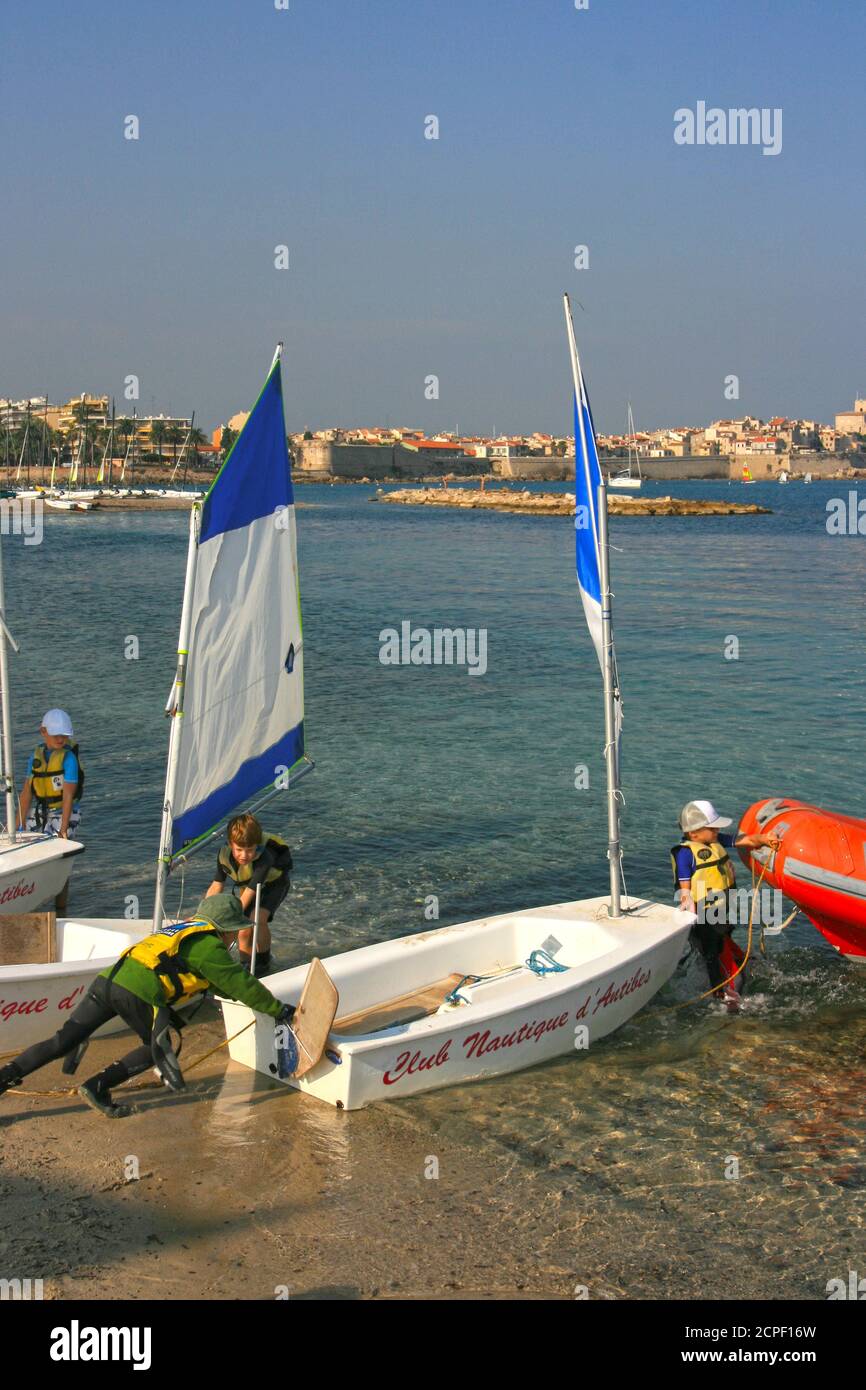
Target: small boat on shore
33,866
496,995
70,504
46,965
474,1000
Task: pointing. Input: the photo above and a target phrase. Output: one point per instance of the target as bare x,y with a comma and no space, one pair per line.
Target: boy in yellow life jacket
51,795
249,858
702,868
144,988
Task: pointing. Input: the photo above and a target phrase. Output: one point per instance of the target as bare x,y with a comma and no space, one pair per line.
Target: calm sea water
432,781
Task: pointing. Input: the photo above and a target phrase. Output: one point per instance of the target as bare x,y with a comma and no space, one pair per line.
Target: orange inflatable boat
820,866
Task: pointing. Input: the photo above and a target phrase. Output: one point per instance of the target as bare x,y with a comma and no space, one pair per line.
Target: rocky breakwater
562,503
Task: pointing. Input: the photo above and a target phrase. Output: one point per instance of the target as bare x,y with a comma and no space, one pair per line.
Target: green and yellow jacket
203,956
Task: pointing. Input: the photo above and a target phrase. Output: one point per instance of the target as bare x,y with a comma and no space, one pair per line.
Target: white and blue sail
238,697
590,523
589,486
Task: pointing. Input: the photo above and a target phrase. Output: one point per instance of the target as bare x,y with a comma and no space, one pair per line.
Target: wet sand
246,1189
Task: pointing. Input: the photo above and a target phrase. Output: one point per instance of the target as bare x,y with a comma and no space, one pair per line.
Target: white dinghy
475,1000
33,866
45,968
496,995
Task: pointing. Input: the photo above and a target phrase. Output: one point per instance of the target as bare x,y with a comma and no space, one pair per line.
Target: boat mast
175,712
8,761
24,446
183,449
45,441
632,444
610,731
607,665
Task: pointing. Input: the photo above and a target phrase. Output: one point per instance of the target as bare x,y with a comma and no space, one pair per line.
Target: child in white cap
702,868
52,789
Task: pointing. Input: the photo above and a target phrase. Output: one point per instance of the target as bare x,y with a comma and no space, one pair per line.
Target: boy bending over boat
250,858
702,871
145,987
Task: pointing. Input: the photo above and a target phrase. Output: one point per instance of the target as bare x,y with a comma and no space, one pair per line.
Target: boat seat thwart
28,938
405,1008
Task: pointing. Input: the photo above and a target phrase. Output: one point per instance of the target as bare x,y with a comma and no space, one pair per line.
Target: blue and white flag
587,481
242,727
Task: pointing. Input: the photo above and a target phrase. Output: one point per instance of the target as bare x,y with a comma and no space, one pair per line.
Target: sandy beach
246,1191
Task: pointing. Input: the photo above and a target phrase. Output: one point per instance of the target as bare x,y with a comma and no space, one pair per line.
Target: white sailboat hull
33,870
516,1019
624,482
38,998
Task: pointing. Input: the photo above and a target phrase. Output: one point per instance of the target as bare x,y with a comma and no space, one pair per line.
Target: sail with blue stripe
589,489
587,479
241,729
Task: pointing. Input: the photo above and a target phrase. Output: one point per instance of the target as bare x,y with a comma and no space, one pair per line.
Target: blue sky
410,257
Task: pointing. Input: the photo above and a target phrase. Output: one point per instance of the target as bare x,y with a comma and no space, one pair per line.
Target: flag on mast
587,481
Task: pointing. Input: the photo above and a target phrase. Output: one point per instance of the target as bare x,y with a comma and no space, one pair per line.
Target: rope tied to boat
454,997
542,963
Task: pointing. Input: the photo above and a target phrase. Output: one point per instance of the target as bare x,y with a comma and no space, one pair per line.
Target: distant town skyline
402,194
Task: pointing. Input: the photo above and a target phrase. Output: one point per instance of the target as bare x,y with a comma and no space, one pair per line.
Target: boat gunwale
635,916
563,982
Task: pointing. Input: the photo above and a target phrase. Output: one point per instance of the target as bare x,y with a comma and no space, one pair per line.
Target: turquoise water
432,781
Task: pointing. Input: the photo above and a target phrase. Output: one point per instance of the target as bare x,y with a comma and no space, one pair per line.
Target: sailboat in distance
501,993
632,476
236,705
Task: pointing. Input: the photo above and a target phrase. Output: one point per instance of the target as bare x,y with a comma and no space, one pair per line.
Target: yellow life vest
159,953
47,774
713,871
242,873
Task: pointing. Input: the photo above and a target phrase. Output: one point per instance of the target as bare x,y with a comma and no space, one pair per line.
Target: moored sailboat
498,994
631,478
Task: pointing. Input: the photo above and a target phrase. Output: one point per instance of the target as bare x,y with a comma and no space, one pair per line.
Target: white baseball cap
698,815
57,721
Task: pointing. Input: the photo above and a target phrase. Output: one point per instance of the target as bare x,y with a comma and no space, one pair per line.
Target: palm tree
227,439
158,433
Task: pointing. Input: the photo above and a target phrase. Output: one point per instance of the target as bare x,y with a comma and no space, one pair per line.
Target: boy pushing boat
145,988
